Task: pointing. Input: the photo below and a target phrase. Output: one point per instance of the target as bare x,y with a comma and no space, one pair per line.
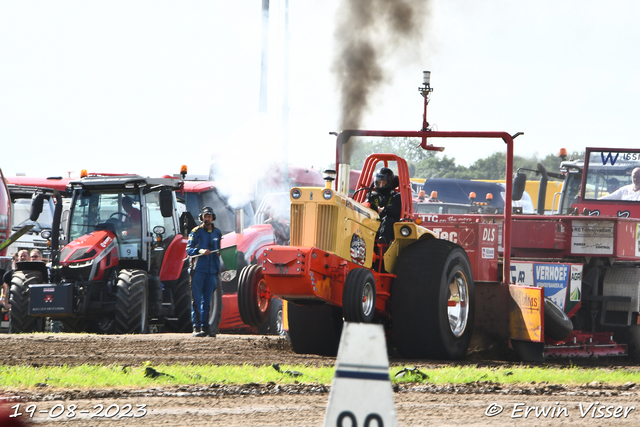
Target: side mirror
187,223
166,203
519,182
36,207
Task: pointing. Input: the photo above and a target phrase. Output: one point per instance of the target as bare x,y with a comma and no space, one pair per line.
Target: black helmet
384,174
206,211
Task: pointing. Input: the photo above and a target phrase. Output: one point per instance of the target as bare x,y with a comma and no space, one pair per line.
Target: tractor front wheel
254,298
275,323
20,321
359,296
132,303
433,301
314,329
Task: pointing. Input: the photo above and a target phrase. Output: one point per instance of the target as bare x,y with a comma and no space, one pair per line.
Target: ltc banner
526,313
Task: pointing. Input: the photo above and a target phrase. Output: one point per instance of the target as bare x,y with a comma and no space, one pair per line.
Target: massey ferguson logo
48,298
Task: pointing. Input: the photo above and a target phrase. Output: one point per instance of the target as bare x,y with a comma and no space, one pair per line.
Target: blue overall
204,278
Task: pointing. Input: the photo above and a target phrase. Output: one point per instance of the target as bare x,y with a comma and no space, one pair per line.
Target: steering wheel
361,189
127,219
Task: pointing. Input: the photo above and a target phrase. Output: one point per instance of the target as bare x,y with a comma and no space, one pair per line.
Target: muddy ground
294,405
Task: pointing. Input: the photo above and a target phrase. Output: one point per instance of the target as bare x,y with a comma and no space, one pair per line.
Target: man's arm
616,195
192,243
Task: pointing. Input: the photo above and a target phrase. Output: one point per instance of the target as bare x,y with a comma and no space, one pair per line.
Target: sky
147,86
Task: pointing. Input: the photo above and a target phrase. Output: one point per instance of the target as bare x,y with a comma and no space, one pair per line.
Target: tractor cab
605,172
136,212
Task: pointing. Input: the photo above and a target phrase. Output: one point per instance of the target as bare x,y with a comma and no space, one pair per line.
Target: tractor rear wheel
433,301
182,305
215,309
20,321
359,296
254,299
314,329
132,303
631,336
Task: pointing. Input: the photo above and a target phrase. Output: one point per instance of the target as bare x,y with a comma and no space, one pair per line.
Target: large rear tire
19,319
132,303
631,336
314,329
359,296
433,301
254,299
182,305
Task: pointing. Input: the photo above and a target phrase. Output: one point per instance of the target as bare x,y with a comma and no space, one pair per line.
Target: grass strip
116,376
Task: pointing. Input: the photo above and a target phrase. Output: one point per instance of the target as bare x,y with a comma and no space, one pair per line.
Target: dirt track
301,404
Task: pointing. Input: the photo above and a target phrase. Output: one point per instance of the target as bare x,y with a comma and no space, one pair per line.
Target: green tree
430,164
407,148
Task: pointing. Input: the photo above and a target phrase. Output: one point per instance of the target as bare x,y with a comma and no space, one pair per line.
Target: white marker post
361,394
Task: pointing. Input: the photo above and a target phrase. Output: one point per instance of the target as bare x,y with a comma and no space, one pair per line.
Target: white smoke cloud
242,161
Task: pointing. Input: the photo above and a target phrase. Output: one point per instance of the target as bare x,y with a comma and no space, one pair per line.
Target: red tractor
543,285
122,267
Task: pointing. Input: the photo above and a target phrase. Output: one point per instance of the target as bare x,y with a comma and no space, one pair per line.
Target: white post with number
361,394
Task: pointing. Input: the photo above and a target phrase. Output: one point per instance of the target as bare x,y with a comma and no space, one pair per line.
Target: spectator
627,192
23,255
36,255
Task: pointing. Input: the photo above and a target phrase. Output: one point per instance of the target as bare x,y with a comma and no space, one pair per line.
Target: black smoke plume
370,33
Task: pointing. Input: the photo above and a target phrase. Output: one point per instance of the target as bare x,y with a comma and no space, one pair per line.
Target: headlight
228,275
327,194
80,264
296,194
405,231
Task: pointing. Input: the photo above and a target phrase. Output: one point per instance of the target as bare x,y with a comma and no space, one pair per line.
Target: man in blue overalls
204,249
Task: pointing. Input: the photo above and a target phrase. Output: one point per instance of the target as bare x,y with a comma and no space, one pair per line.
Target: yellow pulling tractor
421,287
